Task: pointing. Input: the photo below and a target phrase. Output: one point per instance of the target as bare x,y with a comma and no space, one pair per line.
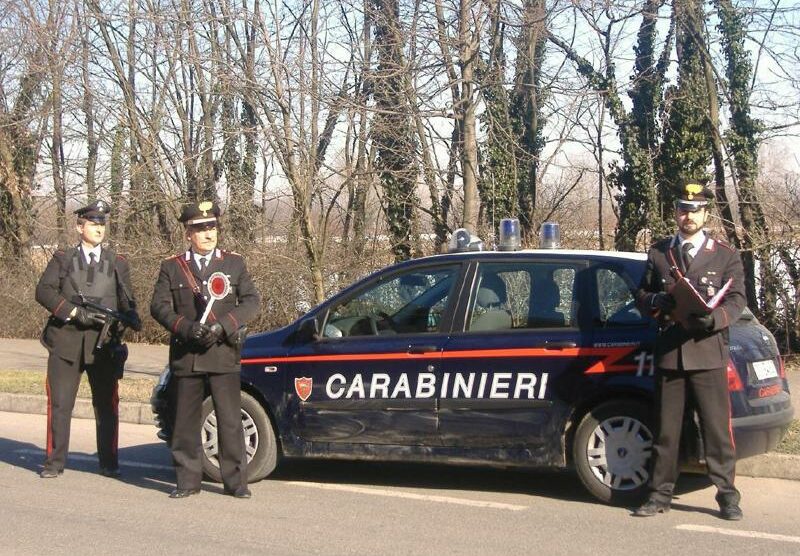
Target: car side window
615,296
522,296
409,303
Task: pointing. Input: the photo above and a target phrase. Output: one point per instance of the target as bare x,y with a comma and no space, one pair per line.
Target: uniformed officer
205,354
693,356
71,336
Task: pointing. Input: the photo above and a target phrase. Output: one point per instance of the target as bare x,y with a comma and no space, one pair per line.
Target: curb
129,412
770,465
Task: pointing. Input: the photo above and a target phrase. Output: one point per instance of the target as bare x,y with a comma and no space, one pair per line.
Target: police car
530,358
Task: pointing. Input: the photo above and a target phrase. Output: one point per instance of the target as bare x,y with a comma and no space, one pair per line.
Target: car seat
546,298
491,312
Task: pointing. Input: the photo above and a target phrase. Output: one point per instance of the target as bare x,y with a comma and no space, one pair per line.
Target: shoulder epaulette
725,244
662,241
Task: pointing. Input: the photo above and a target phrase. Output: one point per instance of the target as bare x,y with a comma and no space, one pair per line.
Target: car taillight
734,381
781,368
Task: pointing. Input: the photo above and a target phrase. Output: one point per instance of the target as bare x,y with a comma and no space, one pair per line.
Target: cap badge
205,206
693,189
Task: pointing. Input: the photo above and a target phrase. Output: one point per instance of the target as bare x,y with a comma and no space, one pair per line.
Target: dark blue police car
535,358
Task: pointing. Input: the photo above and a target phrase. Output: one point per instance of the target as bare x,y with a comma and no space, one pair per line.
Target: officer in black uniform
71,335
205,354
693,356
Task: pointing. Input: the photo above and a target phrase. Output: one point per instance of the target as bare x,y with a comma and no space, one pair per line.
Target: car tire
611,451
260,444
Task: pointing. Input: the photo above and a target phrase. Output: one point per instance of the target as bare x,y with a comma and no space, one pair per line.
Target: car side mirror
308,330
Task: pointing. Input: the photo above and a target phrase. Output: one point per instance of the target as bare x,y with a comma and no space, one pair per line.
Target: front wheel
611,451
259,440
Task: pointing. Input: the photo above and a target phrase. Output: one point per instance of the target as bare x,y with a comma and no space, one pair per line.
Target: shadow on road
556,484
148,466
552,484
21,454
141,465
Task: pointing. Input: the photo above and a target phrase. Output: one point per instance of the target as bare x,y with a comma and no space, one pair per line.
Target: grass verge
32,382
791,442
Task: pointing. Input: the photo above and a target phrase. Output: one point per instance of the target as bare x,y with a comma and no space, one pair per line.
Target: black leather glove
135,321
86,318
697,324
215,334
198,333
664,302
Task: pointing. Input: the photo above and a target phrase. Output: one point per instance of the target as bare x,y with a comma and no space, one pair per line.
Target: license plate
765,369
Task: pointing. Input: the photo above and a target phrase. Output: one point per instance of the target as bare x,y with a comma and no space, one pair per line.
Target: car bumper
757,434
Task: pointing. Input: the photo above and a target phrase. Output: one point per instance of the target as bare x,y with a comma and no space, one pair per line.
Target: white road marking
737,533
411,496
82,457
323,486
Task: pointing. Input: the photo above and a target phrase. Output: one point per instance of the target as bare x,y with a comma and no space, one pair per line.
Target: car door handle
560,345
422,349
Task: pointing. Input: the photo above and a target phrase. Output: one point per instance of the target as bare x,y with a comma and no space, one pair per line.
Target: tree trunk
743,145
88,112
468,41
57,149
527,119
392,130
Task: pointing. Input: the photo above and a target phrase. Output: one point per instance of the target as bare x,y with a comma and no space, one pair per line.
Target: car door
372,375
509,370
619,326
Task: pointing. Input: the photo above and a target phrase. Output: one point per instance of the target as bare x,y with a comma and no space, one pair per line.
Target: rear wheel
259,440
611,451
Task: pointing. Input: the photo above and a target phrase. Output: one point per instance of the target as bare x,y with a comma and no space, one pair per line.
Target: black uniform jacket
179,299
66,338
715,263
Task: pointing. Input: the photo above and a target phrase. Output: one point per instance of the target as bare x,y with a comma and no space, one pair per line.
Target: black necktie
687,257
202,261
90,270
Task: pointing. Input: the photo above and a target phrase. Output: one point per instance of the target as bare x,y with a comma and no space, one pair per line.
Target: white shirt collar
697,242
96,250
198,256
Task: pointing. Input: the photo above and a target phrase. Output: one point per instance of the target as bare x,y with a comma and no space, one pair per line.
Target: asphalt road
353,508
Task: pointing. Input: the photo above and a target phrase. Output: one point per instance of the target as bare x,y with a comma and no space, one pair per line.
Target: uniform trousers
63,379
709,389
187,445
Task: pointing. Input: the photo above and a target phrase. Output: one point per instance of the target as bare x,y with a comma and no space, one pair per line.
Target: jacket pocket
182,296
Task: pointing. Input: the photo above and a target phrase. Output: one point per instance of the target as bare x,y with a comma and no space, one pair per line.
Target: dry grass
32,382
791,442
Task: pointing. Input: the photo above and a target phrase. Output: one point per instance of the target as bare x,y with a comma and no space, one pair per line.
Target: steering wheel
373,325
365,325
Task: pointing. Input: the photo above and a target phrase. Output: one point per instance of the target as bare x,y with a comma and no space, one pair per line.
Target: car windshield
412,302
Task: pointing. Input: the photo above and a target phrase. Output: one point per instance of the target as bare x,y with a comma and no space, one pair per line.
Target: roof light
510,238
549,236
462,240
